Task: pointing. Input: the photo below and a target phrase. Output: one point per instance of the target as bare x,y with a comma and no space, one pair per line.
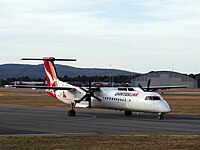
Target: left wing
43,87
154,88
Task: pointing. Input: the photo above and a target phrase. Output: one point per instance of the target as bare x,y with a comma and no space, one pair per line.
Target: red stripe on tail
51,75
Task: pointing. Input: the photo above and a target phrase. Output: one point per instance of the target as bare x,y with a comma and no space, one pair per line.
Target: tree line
85,79
81,79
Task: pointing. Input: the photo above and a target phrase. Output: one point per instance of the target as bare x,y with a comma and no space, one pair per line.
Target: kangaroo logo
52,81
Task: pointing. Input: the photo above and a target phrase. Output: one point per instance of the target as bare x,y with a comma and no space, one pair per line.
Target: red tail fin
50,70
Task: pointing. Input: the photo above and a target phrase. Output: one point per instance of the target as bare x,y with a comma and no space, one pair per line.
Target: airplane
127,99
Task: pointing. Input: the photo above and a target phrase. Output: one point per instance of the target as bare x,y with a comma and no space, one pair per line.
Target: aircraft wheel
71,113
161,116
127,113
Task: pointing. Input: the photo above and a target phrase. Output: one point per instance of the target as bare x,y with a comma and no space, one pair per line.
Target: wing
154,88
43,87
93,89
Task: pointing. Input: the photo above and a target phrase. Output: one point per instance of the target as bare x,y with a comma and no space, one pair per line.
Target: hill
37,71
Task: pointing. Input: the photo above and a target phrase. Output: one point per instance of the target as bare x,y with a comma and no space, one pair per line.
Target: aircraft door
129,103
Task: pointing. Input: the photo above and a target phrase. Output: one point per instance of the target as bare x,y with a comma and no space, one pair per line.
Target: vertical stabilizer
50,70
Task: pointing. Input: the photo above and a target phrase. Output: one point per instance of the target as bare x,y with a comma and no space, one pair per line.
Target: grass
179,104
184,105
106,142
30,98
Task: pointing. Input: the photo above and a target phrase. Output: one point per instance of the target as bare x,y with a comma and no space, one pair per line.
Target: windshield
152,98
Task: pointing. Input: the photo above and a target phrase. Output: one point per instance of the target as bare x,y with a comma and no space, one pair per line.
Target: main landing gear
127,113
161,116
72,112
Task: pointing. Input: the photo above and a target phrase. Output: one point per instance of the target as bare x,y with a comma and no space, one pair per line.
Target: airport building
164,78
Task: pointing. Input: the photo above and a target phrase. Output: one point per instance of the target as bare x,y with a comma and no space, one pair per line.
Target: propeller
139,85
89,94
148,86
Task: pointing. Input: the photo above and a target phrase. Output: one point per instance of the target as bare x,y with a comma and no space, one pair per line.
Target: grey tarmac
27,121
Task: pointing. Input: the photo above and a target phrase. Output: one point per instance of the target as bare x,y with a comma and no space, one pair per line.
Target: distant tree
1,83
192,76
82,79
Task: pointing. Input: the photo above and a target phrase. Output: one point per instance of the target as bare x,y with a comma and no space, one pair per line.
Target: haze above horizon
137,36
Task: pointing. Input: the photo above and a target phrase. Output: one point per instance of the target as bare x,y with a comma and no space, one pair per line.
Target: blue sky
138,35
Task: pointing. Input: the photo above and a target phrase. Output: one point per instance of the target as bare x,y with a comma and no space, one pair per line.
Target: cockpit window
130,89
122,89
152,98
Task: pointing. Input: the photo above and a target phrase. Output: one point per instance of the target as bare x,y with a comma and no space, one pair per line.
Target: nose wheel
127,113
161,116
72,112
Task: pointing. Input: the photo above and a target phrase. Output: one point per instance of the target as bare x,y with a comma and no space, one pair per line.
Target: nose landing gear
161,116
127,113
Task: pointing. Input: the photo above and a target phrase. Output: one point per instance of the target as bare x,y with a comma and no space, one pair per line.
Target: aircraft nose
165,107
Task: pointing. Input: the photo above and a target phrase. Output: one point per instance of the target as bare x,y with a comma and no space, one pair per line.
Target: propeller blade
88,98
89,94
78,101
139,85
90,104
96,98
90,86
148,85
84,89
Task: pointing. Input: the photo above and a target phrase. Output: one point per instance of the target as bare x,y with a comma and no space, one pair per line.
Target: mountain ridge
37,71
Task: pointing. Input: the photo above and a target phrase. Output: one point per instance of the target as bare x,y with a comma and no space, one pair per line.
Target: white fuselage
131,101
128,99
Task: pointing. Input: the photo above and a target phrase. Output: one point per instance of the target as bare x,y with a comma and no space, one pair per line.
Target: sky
133,35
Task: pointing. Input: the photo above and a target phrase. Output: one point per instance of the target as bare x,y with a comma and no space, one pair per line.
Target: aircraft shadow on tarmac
137,116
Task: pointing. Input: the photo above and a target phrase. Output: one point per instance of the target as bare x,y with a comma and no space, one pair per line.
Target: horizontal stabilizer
48,59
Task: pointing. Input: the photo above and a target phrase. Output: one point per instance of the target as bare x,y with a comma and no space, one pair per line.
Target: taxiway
55,121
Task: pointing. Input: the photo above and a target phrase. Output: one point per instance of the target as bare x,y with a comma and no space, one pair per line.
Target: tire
161,117
71,113
127,113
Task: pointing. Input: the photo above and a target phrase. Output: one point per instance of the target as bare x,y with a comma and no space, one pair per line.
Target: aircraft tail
50,70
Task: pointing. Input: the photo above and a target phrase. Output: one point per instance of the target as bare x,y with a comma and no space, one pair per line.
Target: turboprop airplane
127,99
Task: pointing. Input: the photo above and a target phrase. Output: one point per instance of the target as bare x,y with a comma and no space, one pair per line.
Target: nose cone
165,107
